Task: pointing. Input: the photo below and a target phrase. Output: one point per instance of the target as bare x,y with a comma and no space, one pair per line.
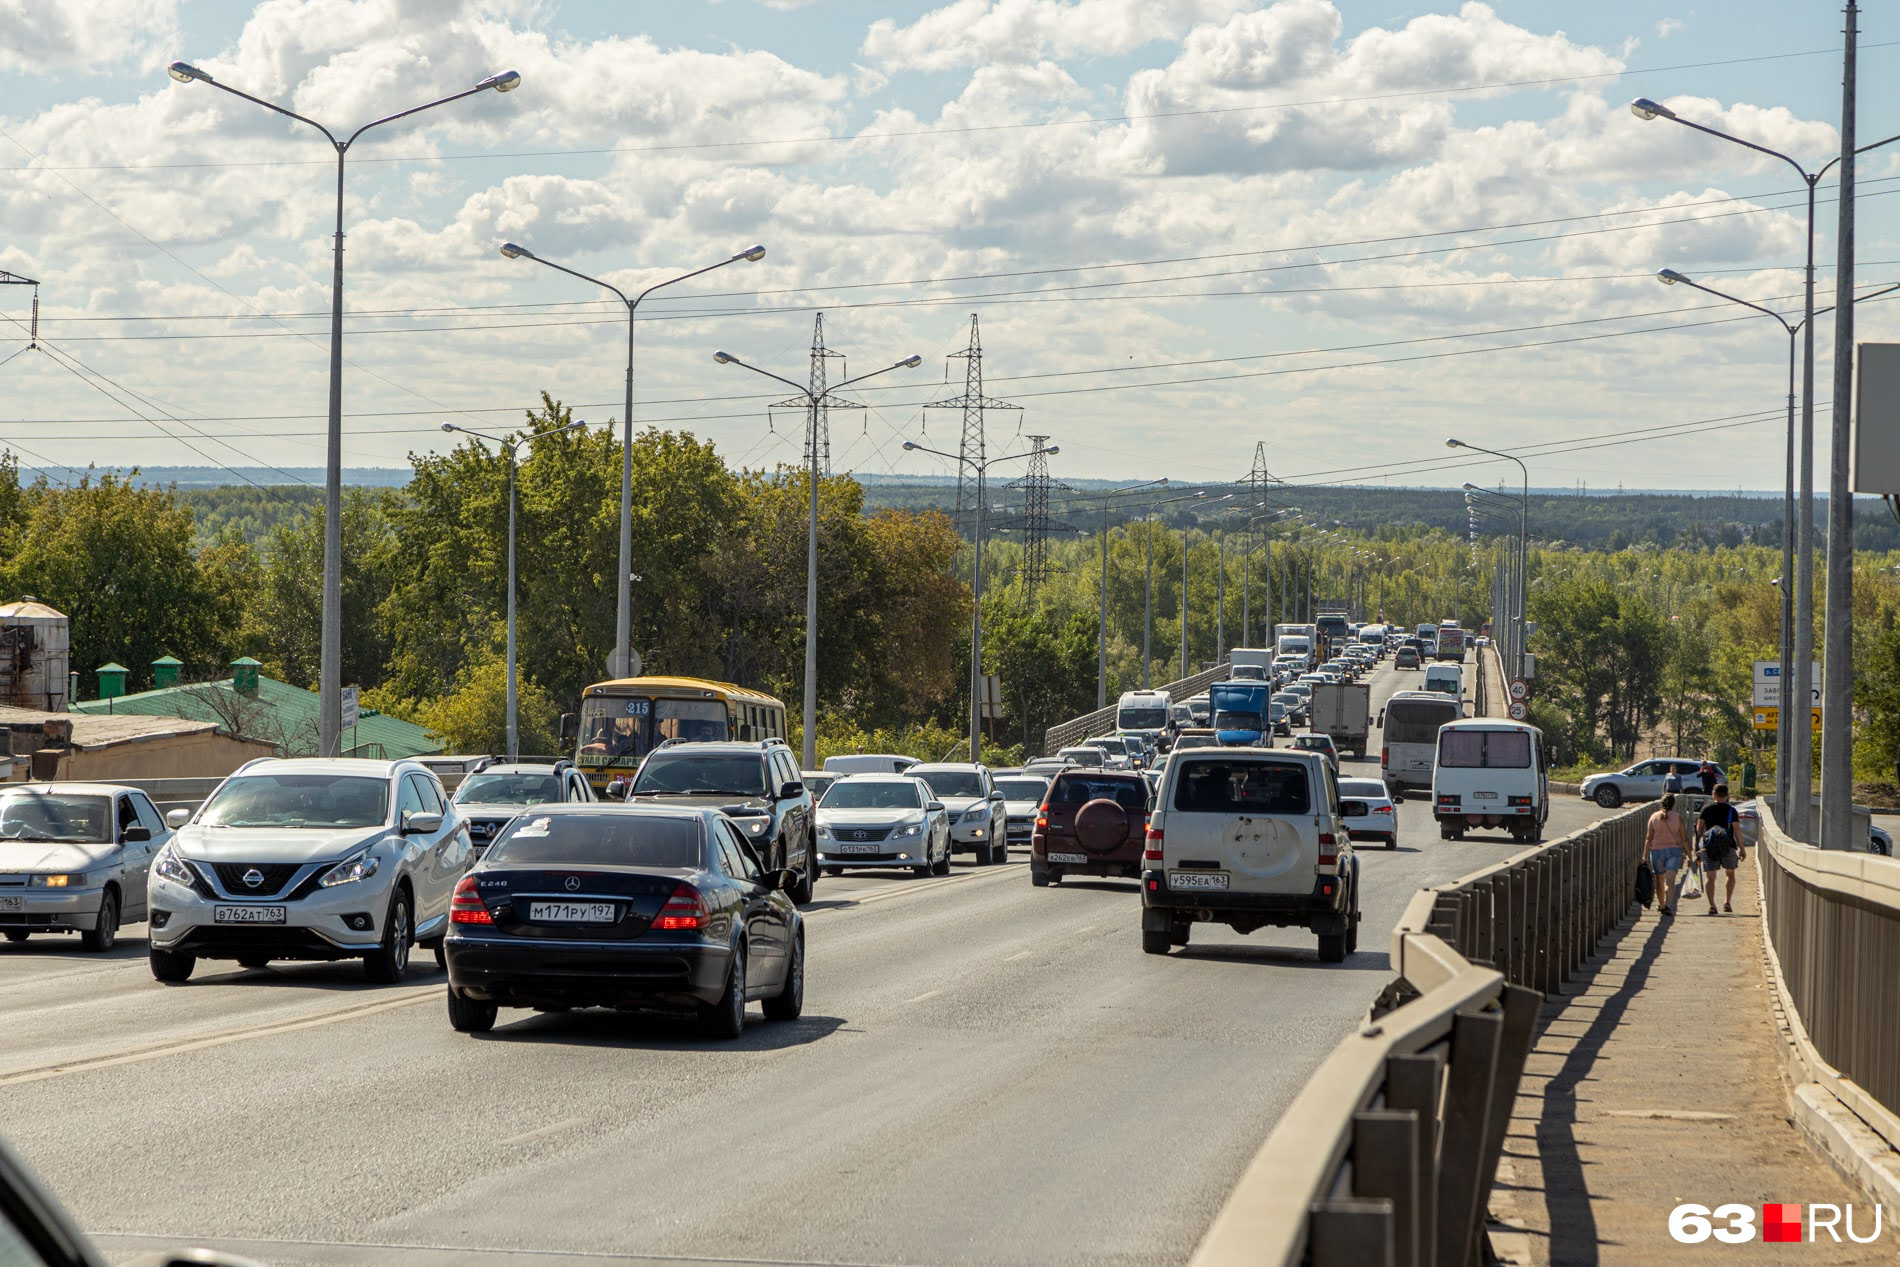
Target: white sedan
1379,820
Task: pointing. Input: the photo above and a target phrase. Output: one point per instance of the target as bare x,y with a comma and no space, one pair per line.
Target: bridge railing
1087,726
1833,925
1387,1154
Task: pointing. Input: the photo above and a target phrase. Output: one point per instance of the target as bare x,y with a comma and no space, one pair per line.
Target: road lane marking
552,1128
382,1003
1021,954
989,875
928,994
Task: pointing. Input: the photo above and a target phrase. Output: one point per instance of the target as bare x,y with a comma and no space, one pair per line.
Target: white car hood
1021,809
274,844
41,856
958,804
869,817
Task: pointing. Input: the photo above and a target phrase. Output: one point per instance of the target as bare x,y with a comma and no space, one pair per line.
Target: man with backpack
1719,833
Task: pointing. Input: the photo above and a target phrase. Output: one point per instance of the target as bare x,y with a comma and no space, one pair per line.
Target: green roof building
249,705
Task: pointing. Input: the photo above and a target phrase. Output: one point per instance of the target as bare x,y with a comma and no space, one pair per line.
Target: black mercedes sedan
624,907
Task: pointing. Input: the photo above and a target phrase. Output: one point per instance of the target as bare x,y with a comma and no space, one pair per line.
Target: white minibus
1409,746
1490,773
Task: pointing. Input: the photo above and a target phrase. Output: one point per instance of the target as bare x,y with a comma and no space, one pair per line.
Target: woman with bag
1667,837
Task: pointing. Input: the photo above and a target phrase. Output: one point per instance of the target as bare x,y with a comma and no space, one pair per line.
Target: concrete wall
205,754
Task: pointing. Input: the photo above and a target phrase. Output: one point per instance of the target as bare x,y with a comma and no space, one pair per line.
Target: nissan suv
308,859
491,796
979,823
1251,838
758,787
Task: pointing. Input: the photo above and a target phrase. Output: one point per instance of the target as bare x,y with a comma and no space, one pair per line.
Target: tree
473,716
286,615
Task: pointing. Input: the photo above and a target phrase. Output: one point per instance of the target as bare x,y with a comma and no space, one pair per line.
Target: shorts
1668,858
1720,858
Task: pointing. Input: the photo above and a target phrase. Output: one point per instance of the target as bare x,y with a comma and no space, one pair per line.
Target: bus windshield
1417,720
1142,717
619,730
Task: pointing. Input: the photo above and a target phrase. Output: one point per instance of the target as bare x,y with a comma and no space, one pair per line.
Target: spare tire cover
1101,825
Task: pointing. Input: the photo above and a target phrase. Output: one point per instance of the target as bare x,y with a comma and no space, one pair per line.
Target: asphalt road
986,1073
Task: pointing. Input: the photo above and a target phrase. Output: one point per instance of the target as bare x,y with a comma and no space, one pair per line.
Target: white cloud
977,32
1668,27
89,36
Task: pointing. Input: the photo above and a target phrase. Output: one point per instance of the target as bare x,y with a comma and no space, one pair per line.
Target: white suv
1251,838
979,823
309,859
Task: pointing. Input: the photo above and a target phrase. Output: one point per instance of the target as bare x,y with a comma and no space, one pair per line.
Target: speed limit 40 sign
1519,688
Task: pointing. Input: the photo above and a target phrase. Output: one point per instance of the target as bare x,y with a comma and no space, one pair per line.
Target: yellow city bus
623,720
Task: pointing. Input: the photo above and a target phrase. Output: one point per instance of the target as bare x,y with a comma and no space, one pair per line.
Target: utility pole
1837,721
1035,486
973,403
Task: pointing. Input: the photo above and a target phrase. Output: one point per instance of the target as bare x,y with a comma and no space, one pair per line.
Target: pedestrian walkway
1657,1080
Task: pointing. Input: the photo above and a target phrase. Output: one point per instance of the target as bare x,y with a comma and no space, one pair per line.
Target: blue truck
1241,714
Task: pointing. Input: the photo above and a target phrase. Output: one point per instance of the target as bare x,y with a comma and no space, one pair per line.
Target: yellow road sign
1767,718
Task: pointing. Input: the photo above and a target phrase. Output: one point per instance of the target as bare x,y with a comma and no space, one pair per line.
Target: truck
1333,624
1296,644
1240,714
1344,711
1148,714
1260,658
1451,643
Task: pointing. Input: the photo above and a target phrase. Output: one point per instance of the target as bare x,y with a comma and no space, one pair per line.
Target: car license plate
1484,796
1075,859
1197,879
858,848
12,902
571,912
247,915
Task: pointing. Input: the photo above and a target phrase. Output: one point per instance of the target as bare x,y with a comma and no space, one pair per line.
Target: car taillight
1152,853
1385,757
1042,820
1517,800
1328,841
685,911
466,906
1382,809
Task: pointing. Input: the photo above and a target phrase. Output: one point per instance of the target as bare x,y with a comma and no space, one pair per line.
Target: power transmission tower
818,406
1034,521
973,403
33,331
1260,483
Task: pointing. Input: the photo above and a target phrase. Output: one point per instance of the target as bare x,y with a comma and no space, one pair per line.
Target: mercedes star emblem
573,882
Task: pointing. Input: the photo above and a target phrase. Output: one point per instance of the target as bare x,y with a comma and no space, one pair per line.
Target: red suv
1092,822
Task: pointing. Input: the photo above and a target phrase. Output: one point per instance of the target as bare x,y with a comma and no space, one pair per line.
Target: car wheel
943,863
1039,874
1178,935
171,967
253,962
470,1016
1608,797
726,1018
1392,841
790,1000
1157,932
807,878
388,964
17,934
1332,947
105,929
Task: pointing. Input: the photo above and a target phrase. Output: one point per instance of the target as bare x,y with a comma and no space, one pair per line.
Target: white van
1446,679
869,763
1410,748
1490,774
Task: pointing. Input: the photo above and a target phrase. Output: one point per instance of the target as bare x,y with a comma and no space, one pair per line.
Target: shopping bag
1645,884
1692,884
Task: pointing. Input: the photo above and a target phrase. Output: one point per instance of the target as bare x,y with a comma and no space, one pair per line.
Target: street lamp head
1053,449
1453,443
1470,488
724,358
909,445
448,426
185,72
1669,276
514,252
507,81
911,362
753,254
1645,109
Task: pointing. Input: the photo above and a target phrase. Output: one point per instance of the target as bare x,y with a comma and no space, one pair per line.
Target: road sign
350,710
1768,684
992,706
1518,711
628,665
1768,717
1519,688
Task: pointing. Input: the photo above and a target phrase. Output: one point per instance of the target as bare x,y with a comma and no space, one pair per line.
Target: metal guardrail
1387,1154
1833,923
1067,733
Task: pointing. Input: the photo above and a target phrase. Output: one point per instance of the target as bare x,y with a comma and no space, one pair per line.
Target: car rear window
613,839
1071,789
1484,749
1242,787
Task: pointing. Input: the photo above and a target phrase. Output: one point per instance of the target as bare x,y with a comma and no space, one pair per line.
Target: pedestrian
1672,782
1667,836
1719,834
1708,777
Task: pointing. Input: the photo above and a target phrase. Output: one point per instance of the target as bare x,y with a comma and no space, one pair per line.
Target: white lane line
383,1003
967,878
552,1128
1085,929
928,994
1021,954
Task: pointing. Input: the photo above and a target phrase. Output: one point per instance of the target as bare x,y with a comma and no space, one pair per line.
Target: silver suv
309,859
489,797
979,822
1251,838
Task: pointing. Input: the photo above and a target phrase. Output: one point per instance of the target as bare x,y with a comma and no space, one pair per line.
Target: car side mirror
136,833
1398,797
177,818
785,880
791,791
414,824
935,807
996,796
570,728
616,791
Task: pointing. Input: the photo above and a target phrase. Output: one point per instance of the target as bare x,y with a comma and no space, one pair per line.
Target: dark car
756,784
492,795
1093,822
590,906
1407,658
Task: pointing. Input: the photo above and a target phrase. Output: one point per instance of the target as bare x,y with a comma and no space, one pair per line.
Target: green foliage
285,618
473,716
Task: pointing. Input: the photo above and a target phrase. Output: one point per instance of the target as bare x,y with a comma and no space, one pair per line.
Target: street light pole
810,746
623,587
330,667
513,742
976,614
1523,543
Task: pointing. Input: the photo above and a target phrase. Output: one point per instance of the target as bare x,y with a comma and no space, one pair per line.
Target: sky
1344,229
